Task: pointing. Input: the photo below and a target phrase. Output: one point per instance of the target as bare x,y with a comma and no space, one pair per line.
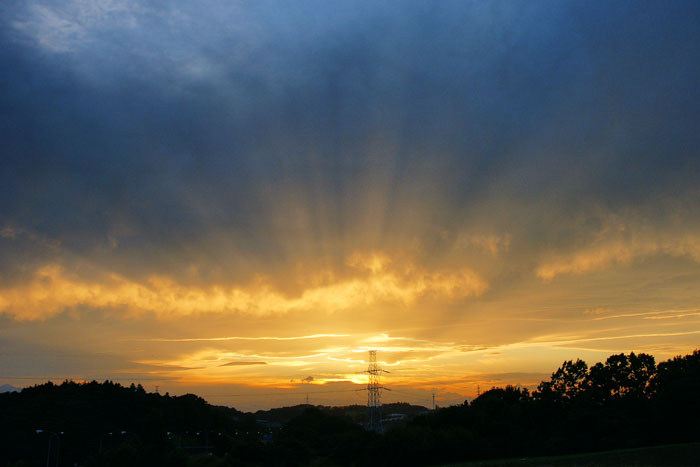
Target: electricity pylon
374,394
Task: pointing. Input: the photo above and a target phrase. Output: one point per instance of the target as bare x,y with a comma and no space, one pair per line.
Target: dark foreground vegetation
626,402
669,454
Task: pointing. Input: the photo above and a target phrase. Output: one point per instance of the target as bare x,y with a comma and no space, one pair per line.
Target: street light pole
58,445
48,453
102,438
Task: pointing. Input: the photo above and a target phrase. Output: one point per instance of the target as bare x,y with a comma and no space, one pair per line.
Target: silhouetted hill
9,388
106,414
355,413
625,402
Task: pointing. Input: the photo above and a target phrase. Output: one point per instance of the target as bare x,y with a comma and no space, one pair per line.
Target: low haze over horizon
240,199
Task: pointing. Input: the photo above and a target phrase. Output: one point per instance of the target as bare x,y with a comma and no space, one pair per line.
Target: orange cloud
620,251
53,289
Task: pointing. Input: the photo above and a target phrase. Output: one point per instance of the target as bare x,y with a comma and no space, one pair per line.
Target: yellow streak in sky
240,338
52,290
611,252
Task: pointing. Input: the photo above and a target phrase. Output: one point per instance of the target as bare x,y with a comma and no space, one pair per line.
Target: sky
240,199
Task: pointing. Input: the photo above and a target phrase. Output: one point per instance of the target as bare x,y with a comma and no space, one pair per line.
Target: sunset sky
241,198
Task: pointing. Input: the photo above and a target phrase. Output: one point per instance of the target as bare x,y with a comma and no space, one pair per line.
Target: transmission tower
374,394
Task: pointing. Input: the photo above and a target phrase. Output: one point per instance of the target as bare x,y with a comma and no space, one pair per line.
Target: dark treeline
627,401
108,424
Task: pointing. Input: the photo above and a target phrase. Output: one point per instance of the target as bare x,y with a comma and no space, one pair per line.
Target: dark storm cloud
165,134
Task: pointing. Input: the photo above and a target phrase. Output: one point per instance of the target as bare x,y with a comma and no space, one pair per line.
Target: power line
404,393
63,378
374,393
281,393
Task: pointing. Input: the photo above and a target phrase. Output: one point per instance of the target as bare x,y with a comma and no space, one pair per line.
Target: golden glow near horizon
317,336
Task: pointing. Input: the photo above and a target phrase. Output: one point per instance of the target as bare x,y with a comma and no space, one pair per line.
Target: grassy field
673,454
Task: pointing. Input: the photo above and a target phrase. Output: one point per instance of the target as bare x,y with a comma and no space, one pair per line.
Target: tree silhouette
621,376
625,401
567,382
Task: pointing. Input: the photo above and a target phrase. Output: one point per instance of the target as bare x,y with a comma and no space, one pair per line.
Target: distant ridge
9,388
